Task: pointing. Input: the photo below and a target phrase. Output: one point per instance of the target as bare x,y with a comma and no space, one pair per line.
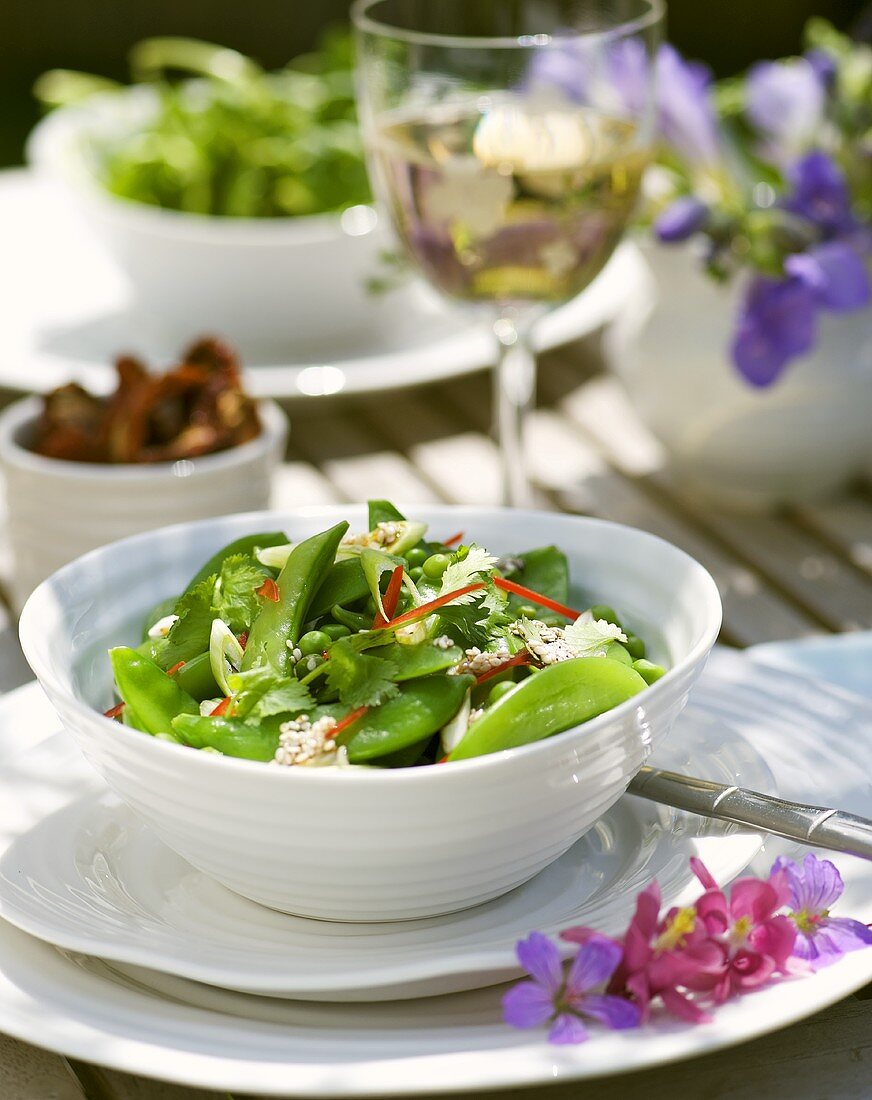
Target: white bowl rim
28,626
274,429
45,151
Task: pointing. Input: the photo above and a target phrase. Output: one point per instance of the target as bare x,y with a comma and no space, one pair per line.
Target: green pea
603,611
416,572
316,641
648,670
635,646
335,631
528,610
436,565
307,664
499,690
416,556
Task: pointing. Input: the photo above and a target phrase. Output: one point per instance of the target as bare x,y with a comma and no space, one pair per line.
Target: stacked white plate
114,950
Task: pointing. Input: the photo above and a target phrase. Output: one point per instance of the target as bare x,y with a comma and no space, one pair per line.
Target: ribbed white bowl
371,845
60,510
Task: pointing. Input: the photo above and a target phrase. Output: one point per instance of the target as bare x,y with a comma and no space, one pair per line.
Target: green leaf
360,680
465,625
236,601
382,511
467,566
546,571
375,563
261,692
189,637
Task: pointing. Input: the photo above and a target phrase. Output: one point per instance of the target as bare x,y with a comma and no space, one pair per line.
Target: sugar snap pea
556,698
280,622
420,709
196,678
155,697
344,584
412,661
231,736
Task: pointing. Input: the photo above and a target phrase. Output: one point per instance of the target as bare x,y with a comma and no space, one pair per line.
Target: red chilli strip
172,671
454,539
391,599
243,639
269,590
426,609
348,720
221,708
534,597
522,658
114,712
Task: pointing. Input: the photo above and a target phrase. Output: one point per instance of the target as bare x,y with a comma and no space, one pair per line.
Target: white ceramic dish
813,737
84,873
244,277
59,510
68,312
372,845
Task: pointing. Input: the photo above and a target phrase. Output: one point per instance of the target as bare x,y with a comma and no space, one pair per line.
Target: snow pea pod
232,736
155,697
344,584
556,698
546,571
245,545
281,622
196,678
413,661
421,708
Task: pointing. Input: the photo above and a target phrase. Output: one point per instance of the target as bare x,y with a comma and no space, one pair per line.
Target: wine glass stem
514,393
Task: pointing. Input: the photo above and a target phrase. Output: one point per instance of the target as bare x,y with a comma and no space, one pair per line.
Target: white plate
818,742
80,870
67,314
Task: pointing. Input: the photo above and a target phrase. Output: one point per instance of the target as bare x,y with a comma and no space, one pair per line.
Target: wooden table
806,572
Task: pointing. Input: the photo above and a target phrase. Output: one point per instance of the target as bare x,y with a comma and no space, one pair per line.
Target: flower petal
836,275
683,1007
831,939
712,911
748,969
541,959
775,939
777,323
567,1029
820,193
592,966
754,898
703,873
527,1004
785,100
615,1012
681,219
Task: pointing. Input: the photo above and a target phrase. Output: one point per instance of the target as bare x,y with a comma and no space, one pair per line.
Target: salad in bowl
378,648
347,714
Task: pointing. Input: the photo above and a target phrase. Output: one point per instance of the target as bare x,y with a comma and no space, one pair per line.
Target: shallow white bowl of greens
360,844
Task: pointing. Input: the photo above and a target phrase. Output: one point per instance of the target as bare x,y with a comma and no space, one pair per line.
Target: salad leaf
466,567
360,680
189,637
382,511
591,638
235,599
261,692
546,571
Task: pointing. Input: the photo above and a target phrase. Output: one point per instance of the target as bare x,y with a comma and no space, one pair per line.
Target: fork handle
819,826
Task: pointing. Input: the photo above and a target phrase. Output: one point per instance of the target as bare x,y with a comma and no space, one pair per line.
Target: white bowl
59,510
371,845
251,279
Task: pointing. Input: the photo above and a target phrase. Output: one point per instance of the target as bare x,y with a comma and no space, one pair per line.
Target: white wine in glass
507,139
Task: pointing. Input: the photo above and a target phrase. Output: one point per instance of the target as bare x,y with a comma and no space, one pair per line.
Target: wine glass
507,139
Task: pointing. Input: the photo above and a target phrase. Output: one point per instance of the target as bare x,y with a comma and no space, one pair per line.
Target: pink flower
754,941
663,958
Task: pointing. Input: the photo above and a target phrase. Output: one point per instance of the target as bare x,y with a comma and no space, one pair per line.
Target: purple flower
835,273
686,113
820,194
776,324
820,938
823,63
681,219
785,102
562,1001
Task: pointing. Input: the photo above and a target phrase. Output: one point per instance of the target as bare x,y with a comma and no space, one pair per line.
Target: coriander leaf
235,599
260,692
465,568
360,680
591,638
189,636
467,625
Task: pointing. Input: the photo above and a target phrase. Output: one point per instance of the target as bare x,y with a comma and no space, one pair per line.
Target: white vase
802,438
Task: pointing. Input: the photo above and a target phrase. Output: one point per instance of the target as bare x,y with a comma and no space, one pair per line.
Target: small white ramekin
371,845
59,510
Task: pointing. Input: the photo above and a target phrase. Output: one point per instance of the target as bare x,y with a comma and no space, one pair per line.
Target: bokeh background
95,35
